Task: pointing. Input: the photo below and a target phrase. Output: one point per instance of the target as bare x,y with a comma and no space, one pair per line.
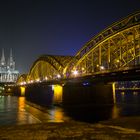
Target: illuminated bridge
113,52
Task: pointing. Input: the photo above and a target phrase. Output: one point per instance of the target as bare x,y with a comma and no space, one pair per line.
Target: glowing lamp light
83,68
58,76
46,78
75,72
102,67
21,83
97,65
37,80
24,83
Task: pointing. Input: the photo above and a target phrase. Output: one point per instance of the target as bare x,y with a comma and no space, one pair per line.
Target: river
14,110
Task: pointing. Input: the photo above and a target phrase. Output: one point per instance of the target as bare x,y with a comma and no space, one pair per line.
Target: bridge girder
48,66
115,48
21,78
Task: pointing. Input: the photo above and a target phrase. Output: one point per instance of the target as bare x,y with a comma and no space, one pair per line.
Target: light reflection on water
14,110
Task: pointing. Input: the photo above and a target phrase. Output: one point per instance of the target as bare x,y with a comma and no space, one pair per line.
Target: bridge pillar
70,94
96,94
39,94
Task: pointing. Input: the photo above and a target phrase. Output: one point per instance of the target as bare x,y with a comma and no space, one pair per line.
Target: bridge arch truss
115,48
48,67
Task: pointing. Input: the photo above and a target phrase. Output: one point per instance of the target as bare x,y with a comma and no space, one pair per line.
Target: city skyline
55,27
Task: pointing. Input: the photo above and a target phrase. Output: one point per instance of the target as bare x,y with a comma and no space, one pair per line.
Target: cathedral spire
3,62
11,56
11,61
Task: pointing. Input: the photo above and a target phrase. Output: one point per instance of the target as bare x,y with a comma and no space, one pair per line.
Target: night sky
57,27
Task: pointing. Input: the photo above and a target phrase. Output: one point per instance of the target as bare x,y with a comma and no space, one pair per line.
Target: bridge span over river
89,76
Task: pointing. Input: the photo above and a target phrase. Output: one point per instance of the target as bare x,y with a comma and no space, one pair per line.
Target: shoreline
122,128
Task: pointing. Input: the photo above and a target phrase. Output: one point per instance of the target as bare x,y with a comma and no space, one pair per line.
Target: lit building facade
8,73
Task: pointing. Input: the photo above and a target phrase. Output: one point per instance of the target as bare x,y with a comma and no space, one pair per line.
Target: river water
14,110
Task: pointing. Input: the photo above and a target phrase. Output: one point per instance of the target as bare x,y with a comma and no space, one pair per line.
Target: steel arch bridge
47,67
115,48
22,78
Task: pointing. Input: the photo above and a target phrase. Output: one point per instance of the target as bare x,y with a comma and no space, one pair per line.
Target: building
7,69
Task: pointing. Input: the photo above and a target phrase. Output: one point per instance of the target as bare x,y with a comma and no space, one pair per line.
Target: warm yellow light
57,93
75,72
102,68
22,89
83,68
21,83
122,93
46,78
24,83
37,80
114,93
9,89
58,76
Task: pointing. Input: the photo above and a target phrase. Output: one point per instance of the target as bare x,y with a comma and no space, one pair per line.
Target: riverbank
126,128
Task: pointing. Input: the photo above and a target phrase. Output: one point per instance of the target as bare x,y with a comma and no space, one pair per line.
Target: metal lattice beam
115,48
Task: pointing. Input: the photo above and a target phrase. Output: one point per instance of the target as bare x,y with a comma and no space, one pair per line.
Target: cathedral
7,69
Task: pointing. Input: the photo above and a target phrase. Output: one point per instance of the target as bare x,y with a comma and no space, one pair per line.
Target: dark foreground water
14,110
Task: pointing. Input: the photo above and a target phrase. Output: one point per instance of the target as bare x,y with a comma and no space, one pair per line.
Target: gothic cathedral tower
7,70
11,63
2,62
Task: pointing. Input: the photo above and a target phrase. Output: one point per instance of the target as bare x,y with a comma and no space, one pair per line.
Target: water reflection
128,103
115,112
14,110
57,114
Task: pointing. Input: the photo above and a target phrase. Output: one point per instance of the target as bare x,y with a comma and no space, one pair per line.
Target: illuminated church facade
8,73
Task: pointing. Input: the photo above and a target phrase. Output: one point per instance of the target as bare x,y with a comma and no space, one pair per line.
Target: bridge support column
39,94
96,94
